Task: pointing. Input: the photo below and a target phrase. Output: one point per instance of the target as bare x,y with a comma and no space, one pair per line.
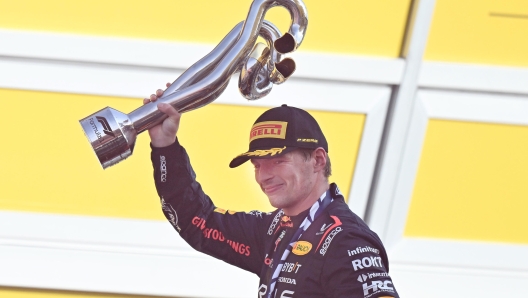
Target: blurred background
424,104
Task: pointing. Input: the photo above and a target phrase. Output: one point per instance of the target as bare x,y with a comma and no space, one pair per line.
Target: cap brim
259,153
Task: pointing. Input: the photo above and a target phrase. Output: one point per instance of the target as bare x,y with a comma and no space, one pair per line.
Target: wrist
163,142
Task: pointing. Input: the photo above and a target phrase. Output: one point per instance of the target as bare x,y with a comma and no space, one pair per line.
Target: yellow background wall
471,183
364,27
480,31
48,165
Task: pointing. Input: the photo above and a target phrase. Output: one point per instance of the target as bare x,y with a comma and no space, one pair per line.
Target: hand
164,134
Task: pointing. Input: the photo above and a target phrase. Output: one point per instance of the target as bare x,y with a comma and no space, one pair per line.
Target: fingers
154,97
169,110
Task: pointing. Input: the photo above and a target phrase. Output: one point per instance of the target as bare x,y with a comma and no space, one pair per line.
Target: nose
263,172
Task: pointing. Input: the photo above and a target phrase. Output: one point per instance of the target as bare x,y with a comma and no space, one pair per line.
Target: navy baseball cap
281,130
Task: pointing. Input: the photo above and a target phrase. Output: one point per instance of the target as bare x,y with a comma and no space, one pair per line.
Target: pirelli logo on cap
268,129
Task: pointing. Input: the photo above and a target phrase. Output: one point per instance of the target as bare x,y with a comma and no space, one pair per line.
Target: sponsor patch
307,141
362,278
274,222
338,191
367,262
301,248
287,280
324,227
268,129
163,169
329,234
328,240
363,249
217,235
291,267
377,286
279,239
220,210
257,213
171,214
270,152
286,222
224,211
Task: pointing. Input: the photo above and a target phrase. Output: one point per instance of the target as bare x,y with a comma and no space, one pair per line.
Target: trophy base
111,135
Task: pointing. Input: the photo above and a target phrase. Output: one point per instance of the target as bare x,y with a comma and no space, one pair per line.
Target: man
313,245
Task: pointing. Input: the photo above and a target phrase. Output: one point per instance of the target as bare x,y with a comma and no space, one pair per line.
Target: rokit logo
163,169
106,127
367,262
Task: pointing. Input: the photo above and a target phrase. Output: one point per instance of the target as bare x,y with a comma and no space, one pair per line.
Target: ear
319,156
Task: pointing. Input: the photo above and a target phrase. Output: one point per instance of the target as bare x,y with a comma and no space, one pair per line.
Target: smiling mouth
271,189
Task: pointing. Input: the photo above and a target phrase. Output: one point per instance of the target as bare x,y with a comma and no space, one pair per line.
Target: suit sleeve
357,266
231,237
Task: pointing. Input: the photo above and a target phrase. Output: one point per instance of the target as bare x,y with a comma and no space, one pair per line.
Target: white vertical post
389,163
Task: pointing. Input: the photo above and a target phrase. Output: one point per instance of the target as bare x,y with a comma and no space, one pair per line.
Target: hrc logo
268,129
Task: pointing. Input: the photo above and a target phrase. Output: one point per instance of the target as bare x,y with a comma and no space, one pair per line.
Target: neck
314,195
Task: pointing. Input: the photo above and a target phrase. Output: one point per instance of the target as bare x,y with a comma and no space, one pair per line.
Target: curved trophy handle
112,134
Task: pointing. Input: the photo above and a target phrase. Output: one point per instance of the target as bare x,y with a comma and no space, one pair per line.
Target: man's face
287,180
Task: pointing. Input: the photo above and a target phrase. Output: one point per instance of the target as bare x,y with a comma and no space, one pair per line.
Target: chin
275,201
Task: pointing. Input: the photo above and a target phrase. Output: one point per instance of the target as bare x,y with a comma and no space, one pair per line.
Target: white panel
474,77
441,282
447,268
111,255
506,109
151,53
463,255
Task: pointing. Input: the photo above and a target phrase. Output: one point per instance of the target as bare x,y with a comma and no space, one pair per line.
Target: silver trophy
112,134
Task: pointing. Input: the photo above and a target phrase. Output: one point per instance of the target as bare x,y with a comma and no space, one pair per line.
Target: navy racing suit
337,256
